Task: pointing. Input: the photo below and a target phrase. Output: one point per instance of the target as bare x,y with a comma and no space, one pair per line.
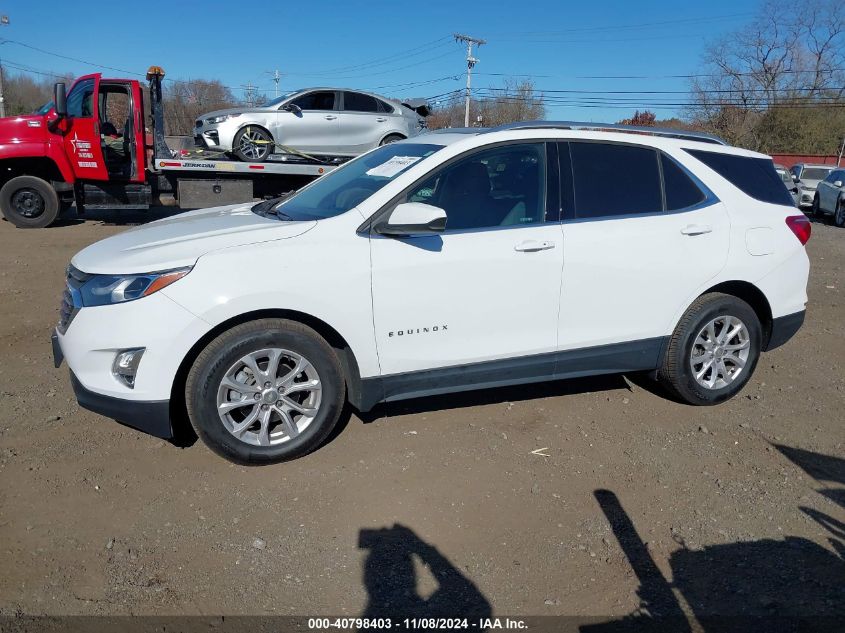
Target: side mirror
837,183
413,218
60,99
794,178
292,107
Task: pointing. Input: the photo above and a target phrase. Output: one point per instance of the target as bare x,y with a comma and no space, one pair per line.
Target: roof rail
611,127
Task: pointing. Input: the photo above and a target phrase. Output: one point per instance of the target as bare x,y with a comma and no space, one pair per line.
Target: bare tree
187,100
515,101
784,58
25,94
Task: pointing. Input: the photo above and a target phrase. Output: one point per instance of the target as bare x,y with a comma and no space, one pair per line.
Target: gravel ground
636,505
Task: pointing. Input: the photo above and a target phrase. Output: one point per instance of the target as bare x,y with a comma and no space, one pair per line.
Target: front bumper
151,417
805,198
218,136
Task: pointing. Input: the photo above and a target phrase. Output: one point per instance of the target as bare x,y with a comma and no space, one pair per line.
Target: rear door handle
696,229
381,119
330,117
532,246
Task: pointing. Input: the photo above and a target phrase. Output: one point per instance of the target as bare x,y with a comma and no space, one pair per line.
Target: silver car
807,177
830,197
786,177
324,122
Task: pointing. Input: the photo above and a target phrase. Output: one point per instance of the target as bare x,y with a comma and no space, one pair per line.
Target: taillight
800,225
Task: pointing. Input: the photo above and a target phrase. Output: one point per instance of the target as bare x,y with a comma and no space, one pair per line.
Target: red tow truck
69,152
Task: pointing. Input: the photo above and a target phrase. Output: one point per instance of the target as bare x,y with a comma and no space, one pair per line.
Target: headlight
221,118
103,290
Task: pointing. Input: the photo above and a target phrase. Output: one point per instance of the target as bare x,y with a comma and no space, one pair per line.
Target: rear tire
704,364
391,138
287,419
29,202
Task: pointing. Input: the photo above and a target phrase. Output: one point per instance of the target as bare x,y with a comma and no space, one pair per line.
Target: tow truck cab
90,146
72,149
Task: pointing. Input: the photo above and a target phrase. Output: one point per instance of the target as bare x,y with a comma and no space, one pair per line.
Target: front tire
29,202
264,392
713,350
252,144
816,211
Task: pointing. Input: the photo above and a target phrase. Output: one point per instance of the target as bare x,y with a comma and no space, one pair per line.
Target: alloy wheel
720,352
254,144
269,397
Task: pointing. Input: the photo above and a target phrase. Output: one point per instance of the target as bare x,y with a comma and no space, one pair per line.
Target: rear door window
756,177
357,102
681,191
612,179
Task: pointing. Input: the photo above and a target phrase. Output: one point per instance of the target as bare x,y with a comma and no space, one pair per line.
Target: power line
380,61
620,27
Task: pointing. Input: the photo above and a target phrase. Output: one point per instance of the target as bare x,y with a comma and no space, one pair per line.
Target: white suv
453,261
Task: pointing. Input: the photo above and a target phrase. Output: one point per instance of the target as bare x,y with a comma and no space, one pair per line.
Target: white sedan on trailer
317,121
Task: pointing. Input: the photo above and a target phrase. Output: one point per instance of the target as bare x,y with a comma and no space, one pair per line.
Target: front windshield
342,189
45,108
279,99
815,173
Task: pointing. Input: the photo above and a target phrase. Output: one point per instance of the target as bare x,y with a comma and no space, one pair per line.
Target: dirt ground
636,506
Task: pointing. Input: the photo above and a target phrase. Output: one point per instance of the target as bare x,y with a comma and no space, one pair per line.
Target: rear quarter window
755,177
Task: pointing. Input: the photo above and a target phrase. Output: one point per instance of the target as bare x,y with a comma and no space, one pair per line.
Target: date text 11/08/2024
436,624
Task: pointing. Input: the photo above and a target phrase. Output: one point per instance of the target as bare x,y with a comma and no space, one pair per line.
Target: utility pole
4,21
471,62
276,78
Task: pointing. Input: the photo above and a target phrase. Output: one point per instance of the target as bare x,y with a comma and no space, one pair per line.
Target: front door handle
381,119
330,117
696,229
532,246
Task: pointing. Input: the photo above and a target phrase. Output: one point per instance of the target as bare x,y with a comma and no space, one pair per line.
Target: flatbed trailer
58,157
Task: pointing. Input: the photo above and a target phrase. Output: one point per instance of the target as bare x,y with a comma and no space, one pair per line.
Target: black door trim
614,358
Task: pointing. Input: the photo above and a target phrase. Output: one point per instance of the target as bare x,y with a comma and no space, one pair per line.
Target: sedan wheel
252,144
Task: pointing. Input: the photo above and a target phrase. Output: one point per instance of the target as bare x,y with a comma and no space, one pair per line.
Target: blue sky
397,48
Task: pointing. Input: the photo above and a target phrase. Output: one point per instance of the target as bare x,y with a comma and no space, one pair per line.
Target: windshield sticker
393,166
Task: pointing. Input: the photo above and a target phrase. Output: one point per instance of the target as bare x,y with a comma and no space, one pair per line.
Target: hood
244,110
181,240
809,183
25,128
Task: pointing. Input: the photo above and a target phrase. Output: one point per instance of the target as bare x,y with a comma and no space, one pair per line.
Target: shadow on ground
391,580
789,584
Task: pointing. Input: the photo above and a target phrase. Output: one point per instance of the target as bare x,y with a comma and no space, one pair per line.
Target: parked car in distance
830,197
807,177
317,121
789,183
452,261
